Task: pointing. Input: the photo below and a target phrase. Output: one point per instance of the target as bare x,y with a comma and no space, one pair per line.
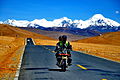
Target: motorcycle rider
61,45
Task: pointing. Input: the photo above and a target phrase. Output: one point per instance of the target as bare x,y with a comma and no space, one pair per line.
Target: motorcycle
63,56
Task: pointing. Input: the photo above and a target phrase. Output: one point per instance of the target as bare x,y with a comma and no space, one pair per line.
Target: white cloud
117,12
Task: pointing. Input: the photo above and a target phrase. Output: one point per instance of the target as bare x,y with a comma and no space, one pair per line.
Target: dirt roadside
11,49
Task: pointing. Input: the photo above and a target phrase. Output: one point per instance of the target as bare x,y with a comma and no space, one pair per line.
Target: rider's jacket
60,46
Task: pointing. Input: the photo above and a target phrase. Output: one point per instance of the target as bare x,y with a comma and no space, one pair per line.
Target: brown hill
55,34
11,48
12,41
112,38
106,46
7,30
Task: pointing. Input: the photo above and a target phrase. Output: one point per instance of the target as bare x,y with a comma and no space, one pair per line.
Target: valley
12,45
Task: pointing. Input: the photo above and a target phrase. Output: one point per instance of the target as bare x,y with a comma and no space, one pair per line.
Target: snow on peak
62,22
42,22
38,21
80,24
100,20
64,18
98,16
96,20
21,23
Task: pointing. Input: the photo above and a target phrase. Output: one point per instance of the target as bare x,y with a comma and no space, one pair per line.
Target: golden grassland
112,38
7,30
10,53
111,52
45,42
106,45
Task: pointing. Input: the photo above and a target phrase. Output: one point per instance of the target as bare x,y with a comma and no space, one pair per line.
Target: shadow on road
34,68
60,70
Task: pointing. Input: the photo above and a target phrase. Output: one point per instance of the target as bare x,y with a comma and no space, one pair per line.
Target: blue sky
53,9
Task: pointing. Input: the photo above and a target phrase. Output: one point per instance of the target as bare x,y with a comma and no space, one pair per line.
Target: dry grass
9,56
111,38
45,42
106,45
7,30
111,52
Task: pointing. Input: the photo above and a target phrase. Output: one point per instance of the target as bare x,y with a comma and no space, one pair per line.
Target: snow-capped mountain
40,22
62,22
19,23
98,21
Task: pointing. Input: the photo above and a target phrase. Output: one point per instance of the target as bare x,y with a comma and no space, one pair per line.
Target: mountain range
95,25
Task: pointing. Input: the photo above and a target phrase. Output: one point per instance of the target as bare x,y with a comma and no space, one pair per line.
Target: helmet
64,37
60,38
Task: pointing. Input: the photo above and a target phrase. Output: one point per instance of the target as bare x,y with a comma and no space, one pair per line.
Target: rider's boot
58,64
69,64
58,61
69,61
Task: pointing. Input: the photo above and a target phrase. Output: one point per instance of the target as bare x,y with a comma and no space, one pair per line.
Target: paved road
39,64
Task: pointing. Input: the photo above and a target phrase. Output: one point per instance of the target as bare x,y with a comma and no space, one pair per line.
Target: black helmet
60,38
64,37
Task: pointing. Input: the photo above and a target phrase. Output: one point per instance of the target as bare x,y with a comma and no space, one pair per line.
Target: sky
54,9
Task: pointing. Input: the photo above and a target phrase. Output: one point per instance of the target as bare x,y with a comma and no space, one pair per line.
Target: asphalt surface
39,63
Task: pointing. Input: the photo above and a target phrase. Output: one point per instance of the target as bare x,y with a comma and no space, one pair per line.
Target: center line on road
104,79
81,67
53,51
